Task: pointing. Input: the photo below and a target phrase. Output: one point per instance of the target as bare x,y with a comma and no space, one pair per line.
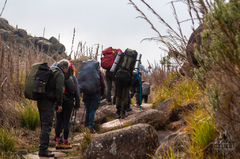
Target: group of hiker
57,87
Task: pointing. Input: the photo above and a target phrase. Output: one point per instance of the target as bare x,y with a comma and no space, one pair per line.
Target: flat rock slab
146,105
150,116
56,154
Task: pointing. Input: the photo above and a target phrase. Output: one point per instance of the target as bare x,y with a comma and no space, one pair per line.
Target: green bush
28,114
184,91
7,140
202,130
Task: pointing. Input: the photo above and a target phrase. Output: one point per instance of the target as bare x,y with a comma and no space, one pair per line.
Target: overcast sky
105,22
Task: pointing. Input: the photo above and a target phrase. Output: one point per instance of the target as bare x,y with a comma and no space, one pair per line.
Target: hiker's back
37,81
88,77
125,67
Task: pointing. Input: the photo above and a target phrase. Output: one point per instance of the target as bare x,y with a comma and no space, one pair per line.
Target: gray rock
6,34
176,141
150,116
165,106
132,142
4,25
22,33
46,45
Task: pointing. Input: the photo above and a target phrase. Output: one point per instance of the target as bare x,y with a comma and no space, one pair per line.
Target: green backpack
37,80
125,67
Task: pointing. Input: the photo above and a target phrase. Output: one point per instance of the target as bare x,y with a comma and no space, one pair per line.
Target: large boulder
150,116
22,33
134,142
56,45
165,106
186,69
6,34
4,25
176,142
46,45
194,38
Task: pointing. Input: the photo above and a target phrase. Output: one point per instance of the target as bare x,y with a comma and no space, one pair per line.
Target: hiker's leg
118,99
126,97
59,123
67,115
87,103
47,112
94,105
109,85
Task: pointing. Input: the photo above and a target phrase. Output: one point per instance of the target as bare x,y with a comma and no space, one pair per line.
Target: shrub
28,114
202,131
184,91
7,139
87,138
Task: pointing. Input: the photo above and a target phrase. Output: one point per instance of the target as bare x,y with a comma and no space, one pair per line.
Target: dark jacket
55,87
69,98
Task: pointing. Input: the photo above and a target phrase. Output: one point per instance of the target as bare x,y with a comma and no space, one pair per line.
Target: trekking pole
73,111
83,114
74,121
140,93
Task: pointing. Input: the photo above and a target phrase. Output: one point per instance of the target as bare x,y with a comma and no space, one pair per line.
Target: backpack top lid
108,50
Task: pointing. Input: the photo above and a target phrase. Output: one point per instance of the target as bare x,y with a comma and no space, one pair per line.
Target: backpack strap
136,76
55,67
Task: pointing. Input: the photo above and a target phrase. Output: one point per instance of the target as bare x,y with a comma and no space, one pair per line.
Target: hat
119,50
71,65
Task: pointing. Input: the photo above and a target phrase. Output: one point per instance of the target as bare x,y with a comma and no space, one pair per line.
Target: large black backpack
125,67
37,80
88,77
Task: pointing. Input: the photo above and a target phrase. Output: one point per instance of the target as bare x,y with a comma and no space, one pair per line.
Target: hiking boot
92,131
67,146
123,116
118,116
129,109
109,103
59,146
45,154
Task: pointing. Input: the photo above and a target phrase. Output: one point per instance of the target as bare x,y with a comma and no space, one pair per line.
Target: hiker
145,91
46,105
71,99
135,89
123,68
106,63
93,88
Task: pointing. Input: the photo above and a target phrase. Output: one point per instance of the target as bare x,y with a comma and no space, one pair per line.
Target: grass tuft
7,140
28,114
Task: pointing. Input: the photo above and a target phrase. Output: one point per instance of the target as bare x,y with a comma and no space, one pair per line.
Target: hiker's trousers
63,119
109,81
46,112
122,94
91,103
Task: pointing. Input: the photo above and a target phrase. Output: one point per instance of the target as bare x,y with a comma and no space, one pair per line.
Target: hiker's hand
59,109
149,67
140,72
77,109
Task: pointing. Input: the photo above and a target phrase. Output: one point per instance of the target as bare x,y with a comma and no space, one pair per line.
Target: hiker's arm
77,95
102,83
59,88
142,68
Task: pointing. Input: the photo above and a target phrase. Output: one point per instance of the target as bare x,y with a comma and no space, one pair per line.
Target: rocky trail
107,124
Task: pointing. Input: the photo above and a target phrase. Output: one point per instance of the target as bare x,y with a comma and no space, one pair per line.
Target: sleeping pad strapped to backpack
125,67
88,77
37,80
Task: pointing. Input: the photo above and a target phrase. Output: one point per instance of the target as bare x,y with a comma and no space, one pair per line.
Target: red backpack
109,55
